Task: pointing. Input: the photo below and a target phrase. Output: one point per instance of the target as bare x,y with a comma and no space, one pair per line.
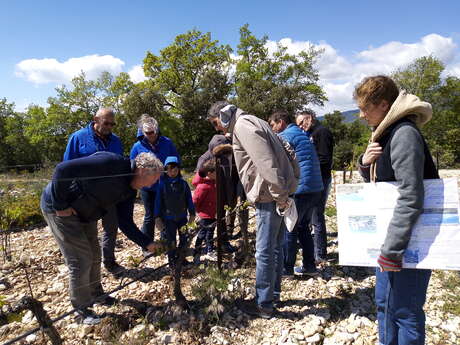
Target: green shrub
330,211
20,205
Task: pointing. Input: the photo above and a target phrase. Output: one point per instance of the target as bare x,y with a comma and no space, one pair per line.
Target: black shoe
105,300
228,248
251,308
278,303
236,236
113,267
186,263
306,271
86,316
288,273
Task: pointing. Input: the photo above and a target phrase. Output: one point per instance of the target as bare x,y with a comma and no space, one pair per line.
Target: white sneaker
211,256
86,316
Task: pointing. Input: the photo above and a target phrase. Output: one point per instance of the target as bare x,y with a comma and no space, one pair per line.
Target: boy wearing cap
172,201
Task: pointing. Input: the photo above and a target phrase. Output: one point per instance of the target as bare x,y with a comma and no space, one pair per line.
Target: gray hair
147,120
306,111
104,112
215,109
147,160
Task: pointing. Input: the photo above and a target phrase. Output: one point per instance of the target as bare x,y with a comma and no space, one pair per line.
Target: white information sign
364,211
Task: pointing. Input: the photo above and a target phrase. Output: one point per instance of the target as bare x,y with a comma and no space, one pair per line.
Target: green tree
190,74
267,81
6,111
350,139
343,148
423,77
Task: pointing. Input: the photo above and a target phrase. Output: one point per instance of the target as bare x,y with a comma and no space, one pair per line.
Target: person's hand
66,213
373,151
156,248
282,205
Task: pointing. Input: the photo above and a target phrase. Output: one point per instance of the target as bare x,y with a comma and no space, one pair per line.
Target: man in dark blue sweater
81,192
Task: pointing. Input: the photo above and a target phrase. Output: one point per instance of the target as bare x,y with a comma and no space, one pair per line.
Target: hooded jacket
266,171
407,160
205,197
310,180
85,142
173,199
162,148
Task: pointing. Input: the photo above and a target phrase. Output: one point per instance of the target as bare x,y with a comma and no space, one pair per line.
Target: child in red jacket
204,198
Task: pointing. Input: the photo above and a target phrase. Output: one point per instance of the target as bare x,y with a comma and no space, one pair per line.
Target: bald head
102,112
104,121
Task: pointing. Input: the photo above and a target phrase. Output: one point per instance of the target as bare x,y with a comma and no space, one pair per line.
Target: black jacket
324,143
91,185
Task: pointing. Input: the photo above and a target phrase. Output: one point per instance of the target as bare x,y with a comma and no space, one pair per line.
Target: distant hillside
349,115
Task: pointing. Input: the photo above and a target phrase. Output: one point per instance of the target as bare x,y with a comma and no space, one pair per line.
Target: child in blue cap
173,206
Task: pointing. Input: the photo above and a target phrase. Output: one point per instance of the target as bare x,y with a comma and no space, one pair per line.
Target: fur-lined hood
405,105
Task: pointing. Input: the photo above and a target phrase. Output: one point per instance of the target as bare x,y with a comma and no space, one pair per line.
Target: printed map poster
364,211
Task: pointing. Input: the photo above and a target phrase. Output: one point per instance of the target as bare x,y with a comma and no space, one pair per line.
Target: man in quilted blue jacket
306,197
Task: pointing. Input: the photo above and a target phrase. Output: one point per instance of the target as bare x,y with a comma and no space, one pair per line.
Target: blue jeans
319,223
206,233
171,229
305,204
148,228
269,253
399,297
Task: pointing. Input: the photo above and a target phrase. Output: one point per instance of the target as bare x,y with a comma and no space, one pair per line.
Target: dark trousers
148,228
206,233
305,204
318,222
169,234
109,236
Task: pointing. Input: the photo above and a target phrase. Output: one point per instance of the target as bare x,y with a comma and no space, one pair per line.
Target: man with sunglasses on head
95,137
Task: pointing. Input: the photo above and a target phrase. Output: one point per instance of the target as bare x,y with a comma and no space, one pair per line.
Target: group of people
276,165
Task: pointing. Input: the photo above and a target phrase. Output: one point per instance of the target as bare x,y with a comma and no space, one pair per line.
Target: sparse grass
450,282
330,211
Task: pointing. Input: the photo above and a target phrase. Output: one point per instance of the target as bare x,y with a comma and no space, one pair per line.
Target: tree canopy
187,76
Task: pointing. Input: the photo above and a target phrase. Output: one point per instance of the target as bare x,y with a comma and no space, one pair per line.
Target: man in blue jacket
95,137
324,143
81,192
306,196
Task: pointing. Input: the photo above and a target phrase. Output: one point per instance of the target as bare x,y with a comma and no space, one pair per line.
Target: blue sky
45,43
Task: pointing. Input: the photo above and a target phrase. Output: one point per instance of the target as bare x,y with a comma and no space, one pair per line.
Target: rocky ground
334,308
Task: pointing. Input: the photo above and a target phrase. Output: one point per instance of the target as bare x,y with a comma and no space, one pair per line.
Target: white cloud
42,71
396,54
453,70
136,73
339,74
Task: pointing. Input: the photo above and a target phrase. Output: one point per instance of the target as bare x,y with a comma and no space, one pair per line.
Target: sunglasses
107,123
149,133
